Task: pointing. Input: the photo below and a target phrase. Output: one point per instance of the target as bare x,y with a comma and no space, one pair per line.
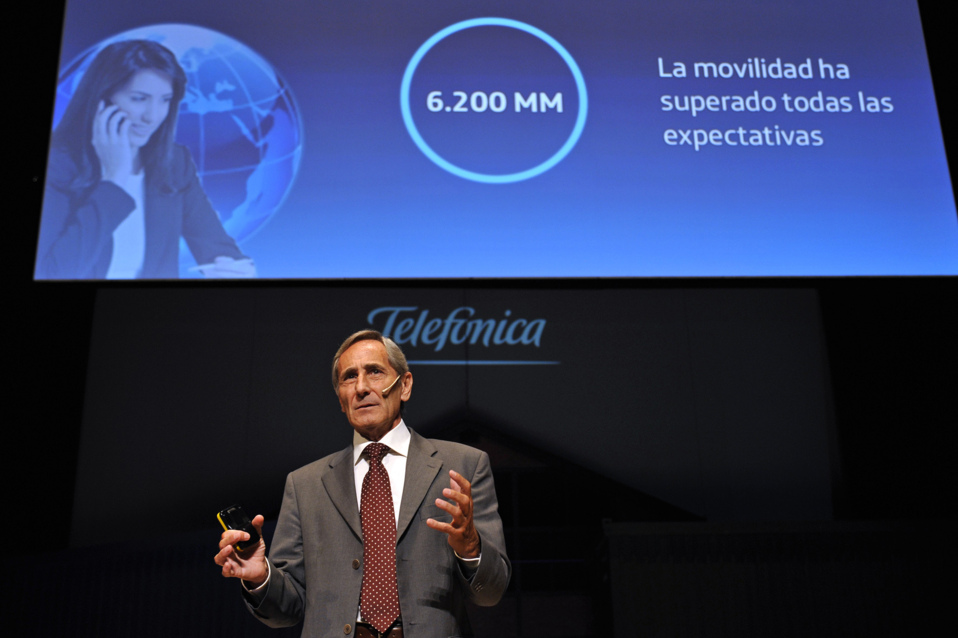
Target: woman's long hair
112,68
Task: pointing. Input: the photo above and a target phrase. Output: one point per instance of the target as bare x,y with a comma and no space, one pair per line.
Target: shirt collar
397,440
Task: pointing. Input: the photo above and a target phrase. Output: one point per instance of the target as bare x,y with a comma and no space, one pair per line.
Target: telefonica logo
412,326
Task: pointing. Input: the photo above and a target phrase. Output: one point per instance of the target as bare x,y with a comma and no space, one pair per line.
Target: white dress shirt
129,238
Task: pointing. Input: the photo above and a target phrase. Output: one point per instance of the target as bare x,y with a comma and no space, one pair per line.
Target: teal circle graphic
484,177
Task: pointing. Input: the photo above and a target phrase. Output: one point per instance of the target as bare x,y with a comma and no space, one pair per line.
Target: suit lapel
422,466
340,485
151,226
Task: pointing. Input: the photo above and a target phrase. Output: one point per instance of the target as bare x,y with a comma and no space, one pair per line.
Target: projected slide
392,139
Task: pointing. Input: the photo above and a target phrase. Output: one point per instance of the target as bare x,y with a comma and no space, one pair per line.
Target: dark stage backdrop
714,401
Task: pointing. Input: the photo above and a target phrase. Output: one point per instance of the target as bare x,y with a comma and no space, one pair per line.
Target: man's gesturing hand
250,565
461,532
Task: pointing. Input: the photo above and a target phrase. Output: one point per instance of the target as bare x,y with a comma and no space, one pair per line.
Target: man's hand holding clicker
461,531
250,565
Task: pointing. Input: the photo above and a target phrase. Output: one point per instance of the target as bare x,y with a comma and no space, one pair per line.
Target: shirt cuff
468,566
259,592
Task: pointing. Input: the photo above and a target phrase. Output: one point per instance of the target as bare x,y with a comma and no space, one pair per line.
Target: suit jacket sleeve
284,601
76,229
433,591
490,581
202,228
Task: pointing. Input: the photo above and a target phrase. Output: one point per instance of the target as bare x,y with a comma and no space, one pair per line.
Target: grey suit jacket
317,550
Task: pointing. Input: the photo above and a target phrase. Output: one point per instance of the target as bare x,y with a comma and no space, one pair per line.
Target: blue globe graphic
238,118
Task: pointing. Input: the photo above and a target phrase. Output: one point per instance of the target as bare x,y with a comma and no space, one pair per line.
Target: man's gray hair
393,352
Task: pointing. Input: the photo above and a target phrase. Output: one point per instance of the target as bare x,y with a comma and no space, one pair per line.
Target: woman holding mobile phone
119,192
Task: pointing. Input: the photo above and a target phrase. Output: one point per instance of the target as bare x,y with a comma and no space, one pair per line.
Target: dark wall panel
711,400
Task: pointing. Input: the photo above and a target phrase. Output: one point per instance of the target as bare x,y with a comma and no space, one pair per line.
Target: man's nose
362,384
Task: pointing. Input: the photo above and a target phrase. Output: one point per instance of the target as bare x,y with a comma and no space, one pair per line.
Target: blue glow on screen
556,143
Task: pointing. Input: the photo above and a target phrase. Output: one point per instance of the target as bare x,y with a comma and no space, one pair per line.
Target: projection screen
438,139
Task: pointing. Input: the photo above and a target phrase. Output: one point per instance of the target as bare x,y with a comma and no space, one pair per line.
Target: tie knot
375,452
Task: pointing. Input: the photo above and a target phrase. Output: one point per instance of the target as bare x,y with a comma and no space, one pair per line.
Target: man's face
364,372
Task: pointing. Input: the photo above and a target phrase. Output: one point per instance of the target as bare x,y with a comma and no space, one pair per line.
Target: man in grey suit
448,542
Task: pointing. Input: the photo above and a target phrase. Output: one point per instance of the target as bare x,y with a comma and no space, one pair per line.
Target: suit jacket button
355,566
347,629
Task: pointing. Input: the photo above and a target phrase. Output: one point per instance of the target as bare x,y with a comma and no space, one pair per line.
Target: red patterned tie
379,598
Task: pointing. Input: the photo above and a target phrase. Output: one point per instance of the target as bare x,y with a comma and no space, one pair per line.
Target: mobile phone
234,517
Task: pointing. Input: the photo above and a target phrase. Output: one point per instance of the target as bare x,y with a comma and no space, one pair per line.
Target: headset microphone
385,392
